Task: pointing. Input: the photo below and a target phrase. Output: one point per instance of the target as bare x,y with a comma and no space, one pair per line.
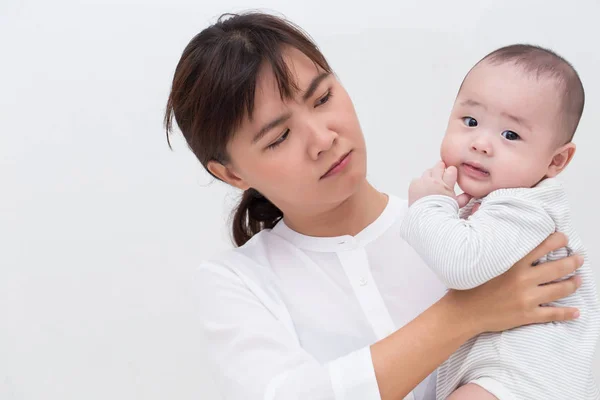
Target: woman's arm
257,358
410,354
406,357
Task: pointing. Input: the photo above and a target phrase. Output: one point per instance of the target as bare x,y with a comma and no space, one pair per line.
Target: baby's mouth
475,168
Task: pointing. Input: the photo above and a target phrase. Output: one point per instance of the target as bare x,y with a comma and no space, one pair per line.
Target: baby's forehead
493,81
513,71
514,95
520,70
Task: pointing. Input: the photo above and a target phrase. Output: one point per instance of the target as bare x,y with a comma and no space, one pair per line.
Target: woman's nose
321,140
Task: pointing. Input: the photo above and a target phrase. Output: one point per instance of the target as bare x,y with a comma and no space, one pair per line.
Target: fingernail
578,280
576,314
580,259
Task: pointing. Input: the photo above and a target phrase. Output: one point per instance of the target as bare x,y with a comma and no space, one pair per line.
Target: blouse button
362,281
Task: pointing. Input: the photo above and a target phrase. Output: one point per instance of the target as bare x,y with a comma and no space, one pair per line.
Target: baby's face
503,129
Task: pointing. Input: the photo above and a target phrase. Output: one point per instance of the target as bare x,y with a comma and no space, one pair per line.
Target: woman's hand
513,298
510,300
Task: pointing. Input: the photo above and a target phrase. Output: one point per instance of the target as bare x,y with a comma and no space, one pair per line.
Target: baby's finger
463,200
450,176
437,172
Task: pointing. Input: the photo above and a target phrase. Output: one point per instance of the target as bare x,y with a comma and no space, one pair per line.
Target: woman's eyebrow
277,121
314,85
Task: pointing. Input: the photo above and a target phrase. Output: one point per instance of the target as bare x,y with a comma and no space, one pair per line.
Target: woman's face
287,149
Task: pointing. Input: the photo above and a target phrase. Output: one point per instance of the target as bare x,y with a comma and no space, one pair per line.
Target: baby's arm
466,253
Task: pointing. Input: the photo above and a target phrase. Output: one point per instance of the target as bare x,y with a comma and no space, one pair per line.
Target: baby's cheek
448,152
530,173
517,173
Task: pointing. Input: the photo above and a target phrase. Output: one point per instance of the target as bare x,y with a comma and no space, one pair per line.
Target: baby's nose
481,145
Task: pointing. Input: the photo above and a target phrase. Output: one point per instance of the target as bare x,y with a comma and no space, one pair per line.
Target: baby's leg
471,391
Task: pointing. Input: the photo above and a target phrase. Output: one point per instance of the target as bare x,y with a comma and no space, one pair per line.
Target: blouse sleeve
256,357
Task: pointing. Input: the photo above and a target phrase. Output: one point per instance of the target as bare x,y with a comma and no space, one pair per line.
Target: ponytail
254,213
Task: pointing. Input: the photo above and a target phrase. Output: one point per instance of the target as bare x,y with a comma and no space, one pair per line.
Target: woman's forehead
269,99
302,70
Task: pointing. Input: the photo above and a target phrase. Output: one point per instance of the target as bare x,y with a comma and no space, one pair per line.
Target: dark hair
545,63
213,90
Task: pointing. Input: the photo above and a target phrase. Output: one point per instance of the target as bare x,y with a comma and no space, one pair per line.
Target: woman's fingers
514,298
558,290
553,270
550,314
553,242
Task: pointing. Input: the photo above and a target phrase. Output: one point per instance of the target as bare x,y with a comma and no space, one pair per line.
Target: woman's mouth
338,166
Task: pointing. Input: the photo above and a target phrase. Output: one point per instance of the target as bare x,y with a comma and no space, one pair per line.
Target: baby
508,137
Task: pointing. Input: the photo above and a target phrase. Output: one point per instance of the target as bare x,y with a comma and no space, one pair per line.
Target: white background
101,224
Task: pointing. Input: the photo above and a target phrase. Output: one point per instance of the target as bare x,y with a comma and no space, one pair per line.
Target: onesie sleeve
465,253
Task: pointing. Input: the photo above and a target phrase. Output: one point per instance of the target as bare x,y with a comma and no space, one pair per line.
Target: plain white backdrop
101,225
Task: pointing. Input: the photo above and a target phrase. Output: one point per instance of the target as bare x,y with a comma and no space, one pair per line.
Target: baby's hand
437,180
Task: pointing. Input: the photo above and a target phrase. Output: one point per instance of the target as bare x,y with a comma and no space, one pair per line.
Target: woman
322,299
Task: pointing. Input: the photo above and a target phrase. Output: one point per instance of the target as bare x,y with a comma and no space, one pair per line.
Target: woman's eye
470,122
280,140
324,99
510,135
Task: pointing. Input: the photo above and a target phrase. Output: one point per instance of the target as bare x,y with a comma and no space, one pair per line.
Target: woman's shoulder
250,253
247,262
243,270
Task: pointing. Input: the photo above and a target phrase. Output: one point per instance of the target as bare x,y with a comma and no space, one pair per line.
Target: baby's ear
562,157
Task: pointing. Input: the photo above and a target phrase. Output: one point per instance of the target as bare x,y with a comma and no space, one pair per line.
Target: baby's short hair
545,63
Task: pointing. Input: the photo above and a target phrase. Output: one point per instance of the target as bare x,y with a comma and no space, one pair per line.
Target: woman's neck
346,218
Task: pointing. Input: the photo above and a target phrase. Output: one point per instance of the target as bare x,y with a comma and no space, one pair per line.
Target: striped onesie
542,361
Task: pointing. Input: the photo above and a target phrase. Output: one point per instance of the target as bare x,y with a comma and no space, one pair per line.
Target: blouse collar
392,211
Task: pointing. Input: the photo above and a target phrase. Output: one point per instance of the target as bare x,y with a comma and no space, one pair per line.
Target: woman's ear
562,157
227,175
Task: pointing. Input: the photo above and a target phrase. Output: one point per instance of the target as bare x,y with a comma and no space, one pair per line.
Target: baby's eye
510,135
470,122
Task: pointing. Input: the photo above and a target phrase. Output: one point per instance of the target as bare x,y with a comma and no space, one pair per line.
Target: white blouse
289,316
